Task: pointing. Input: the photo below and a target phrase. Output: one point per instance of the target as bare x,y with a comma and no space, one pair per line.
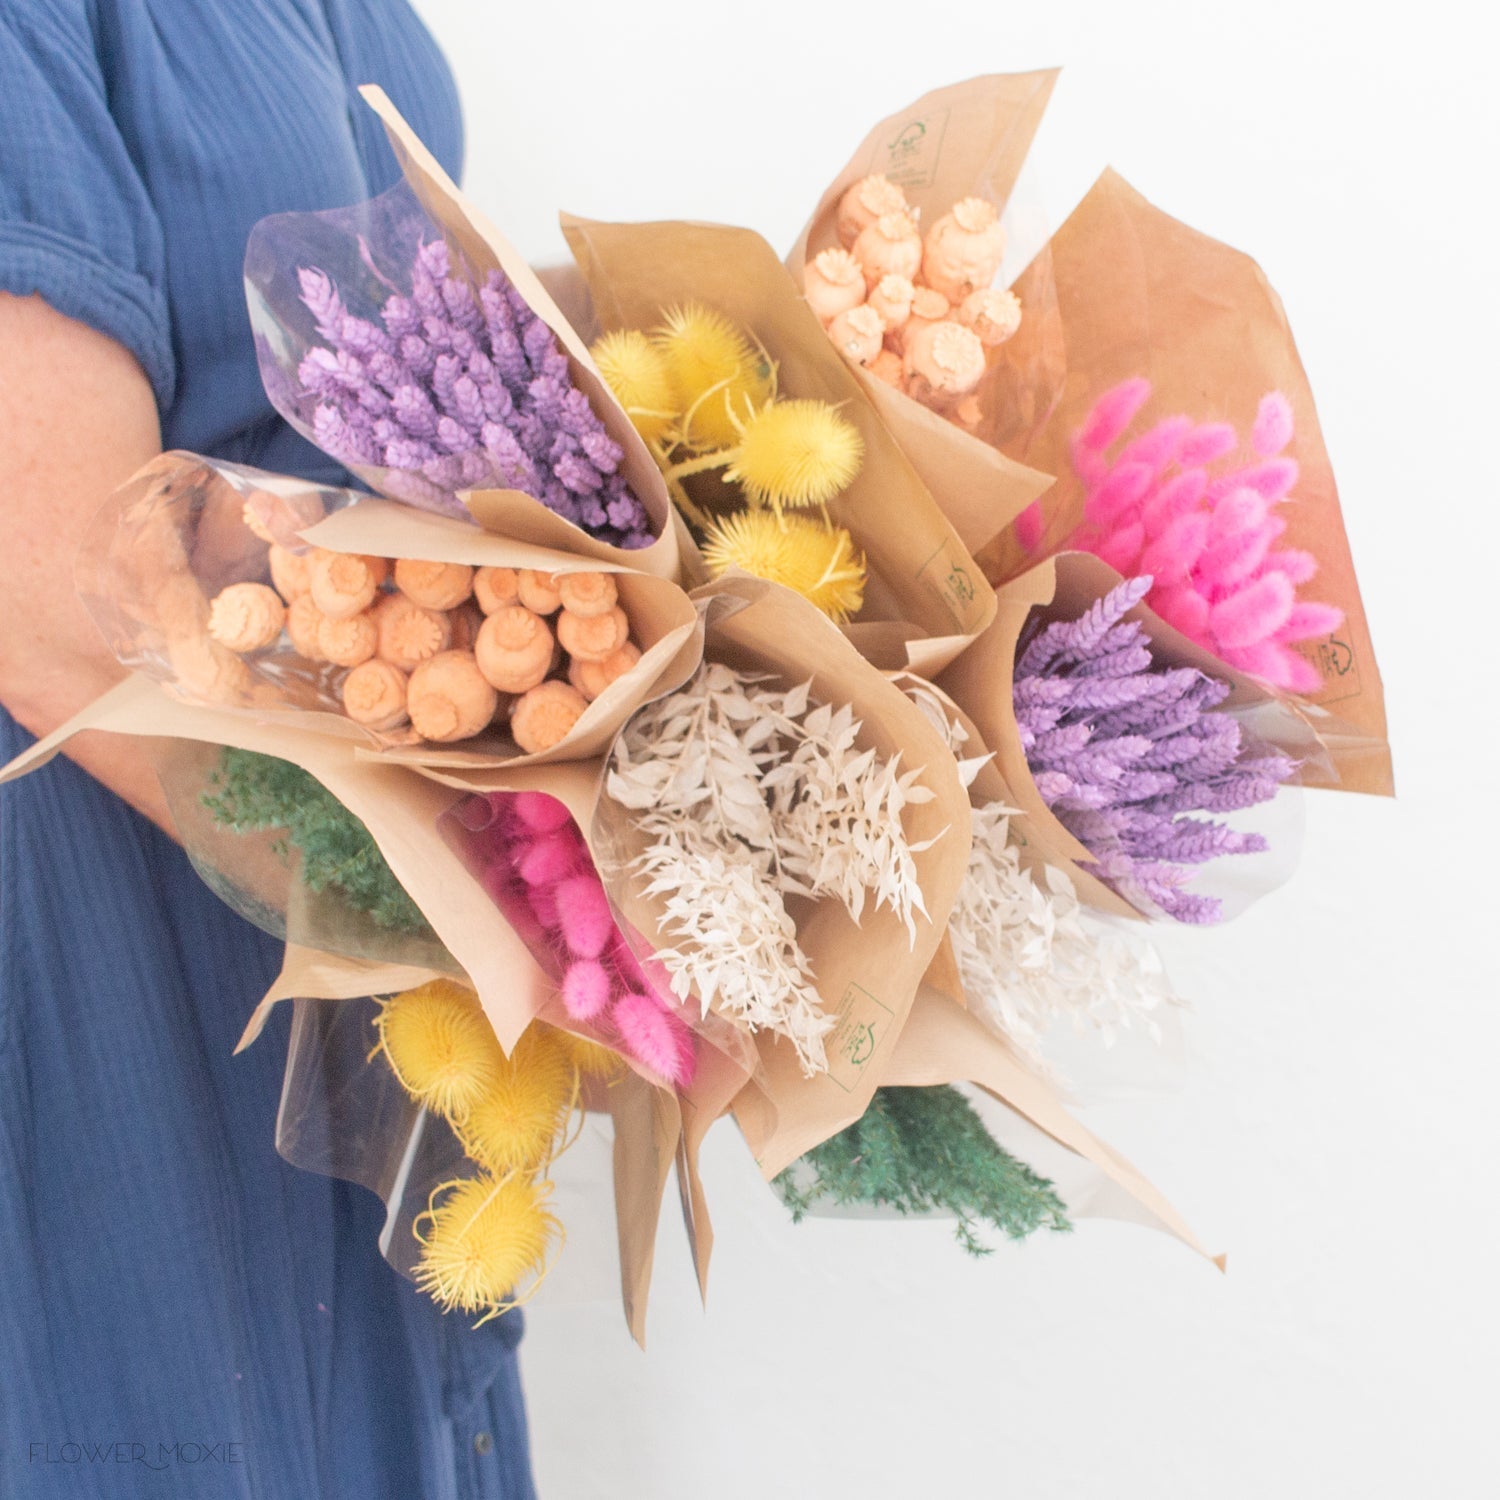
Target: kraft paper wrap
943,1043
1141,294
400,809
980,683
924,597
172,536
968,139
867,973
648,1129
482,245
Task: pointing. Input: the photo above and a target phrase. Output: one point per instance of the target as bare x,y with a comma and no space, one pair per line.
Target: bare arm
77,418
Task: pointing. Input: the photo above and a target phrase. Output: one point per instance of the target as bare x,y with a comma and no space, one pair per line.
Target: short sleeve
77,225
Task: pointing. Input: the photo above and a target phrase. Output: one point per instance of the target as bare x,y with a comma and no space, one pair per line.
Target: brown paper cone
1141,294
980,682
968,139
170,538
867,973
943,1043
483,246
923,583
400,809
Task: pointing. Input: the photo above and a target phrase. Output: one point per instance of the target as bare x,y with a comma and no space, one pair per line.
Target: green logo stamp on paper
1334,657
911,152
953,581
861,1025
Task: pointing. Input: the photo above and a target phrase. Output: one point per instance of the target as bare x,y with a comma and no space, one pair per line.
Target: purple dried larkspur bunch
1121,749
454,391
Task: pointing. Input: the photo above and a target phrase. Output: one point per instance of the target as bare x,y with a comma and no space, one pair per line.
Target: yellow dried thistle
441,1046
818,561
484,1239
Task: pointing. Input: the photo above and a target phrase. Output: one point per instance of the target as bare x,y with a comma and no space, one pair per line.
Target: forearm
77,417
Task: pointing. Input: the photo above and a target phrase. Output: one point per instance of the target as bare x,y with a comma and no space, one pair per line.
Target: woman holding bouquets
170,1286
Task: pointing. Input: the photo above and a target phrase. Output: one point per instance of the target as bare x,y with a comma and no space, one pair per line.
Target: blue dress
182,1313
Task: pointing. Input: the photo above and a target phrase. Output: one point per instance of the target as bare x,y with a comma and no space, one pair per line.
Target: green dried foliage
251,793
918,1150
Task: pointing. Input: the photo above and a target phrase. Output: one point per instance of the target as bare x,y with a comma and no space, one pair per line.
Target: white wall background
1334,1129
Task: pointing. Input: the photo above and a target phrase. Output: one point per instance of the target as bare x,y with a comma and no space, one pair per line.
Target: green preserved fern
251,793
921,1149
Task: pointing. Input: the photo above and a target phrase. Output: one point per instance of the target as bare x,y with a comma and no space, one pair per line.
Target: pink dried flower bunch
1120,749
456,390
537,869
1207,539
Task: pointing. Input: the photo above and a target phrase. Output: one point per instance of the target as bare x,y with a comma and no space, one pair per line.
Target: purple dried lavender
463,392
1120,749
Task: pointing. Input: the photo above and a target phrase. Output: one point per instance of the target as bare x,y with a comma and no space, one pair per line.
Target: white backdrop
1334,1128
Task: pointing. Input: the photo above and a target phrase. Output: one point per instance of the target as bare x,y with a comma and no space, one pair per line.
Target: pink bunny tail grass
1119,494
549,860
1112,413
1122,547
1175,552
1308,621
1241,533
539,812
1208,442
1088,465
1184,609
1253,613
1159,445
1278,665
583,916
1177,497
586,990
655,1037
1272,429
1274,478
1028,526
1299,566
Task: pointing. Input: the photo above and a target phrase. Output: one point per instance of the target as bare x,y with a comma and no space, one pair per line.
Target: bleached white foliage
750,794
1029,954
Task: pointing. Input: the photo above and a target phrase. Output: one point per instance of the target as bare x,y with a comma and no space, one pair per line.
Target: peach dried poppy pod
866,201
833,282
858,334
546,715
345,583
291,572
927,307
891,298
494,588
963,249
303,621
346,643
592,677
293,512
587,594
890,246
246,616
374,695
434,585
538,591
408,635
943,362
887,366
463,627
592,637
993,313
448,699
514,649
